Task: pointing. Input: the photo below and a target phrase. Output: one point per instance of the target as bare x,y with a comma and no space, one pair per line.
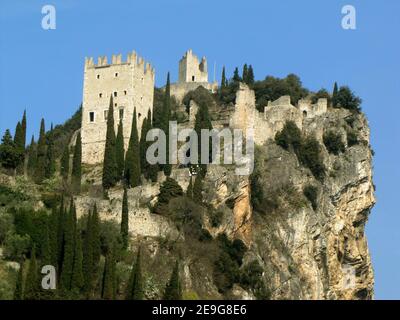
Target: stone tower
190,70
130,82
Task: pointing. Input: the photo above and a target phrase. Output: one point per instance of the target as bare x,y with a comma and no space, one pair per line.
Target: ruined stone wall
131,84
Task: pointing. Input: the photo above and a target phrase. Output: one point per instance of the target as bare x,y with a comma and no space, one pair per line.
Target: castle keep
130,83
192,74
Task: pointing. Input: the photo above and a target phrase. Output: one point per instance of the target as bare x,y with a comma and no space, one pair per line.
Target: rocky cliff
296,246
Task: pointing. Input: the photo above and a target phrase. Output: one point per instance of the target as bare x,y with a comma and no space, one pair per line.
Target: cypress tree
77,274
250,75
245,75
61,221
236,76
125,220
334,95
132,161
23,125
69,246
120,152
18,136
110,169
96,244
76,174
223,79
50,160
45,248
32,158
32,282
41,154
203,121
135,285
197,189
88,255
19,286
173,290
153,169
53,236
109,279
165,124
189,191
143,146
19,142
64,168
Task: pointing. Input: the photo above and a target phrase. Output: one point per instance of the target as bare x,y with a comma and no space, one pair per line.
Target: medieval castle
131,85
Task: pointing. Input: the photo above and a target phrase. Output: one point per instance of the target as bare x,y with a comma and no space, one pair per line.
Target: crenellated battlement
116,59
130,82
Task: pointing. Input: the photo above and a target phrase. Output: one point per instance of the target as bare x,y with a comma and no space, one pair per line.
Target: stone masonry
130,82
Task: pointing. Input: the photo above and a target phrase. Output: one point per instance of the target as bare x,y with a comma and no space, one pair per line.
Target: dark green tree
77,273
250,75
173,290
10,155
31,291
76,174
334,95
64,168
23,124
53,236
135,289
88,265
197,189
165,124
125,220
189,191
245,74
120,151
19,142
110,167
50,157
132,161
236,76
109,277
19,286
346,99
69,250
144,165
96,243
32,158
223,79
41,154
203,121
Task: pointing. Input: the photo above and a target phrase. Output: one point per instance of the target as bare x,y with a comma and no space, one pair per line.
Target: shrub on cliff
290,137
310,156
311,193
345,98
333,142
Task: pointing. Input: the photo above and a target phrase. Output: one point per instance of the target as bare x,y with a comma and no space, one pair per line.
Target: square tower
130,83
190,70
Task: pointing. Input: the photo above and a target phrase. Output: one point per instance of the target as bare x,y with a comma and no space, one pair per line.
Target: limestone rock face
321,253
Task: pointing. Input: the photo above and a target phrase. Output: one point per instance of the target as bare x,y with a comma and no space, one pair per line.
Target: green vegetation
125,220
311,193
307,149
333,142
110,169
76,175
173,290
132,160
135,284
272,88
169,189
120,150
345,98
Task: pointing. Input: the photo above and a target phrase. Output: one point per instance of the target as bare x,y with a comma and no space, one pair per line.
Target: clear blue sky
42,70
